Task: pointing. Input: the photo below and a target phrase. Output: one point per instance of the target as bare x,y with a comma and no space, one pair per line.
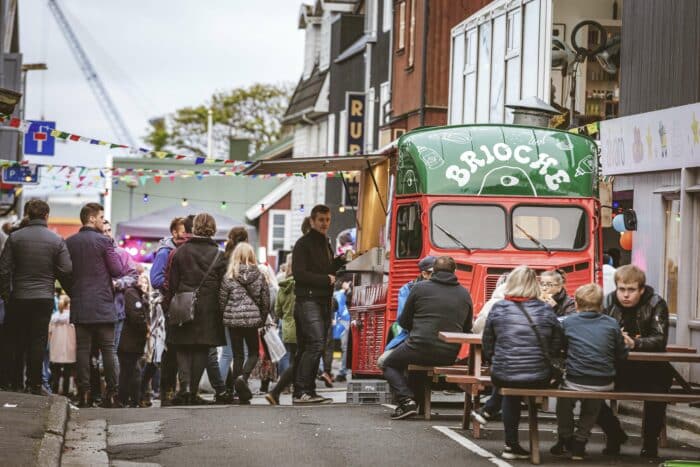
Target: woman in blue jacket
511,345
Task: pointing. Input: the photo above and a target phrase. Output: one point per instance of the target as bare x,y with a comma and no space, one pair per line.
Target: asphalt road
333,435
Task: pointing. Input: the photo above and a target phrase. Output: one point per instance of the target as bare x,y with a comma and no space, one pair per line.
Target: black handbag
557,368
183,304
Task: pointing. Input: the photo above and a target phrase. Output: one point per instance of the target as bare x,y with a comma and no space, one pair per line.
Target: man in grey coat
33,258
95,264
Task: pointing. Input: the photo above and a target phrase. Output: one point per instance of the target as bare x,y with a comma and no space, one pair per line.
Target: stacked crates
370,391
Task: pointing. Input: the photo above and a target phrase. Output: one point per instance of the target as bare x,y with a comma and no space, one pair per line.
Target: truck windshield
479,227
557,228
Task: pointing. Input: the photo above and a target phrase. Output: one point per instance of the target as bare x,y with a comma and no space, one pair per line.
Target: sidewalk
682,416
31,429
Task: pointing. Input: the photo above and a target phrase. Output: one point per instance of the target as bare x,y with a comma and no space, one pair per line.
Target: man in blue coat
95,264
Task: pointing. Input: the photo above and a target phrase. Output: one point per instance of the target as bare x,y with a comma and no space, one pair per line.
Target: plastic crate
369,385
369,398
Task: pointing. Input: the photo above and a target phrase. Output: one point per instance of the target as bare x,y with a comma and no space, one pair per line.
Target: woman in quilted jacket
244,298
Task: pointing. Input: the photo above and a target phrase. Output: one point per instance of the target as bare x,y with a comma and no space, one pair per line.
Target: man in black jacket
314,270
33,258
437,305
643,318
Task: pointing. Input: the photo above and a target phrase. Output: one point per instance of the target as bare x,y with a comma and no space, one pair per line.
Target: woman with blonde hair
244,298
521,336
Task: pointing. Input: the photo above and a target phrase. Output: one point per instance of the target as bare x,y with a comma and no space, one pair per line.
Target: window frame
344,195
668,202
286,243
556,206
473,247
412,36
401,30
417,206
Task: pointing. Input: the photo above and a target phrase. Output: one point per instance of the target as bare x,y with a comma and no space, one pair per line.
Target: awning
315,164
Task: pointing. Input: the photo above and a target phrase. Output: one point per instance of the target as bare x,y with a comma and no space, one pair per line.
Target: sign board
496,160
355,106
662,140
38,140
20,175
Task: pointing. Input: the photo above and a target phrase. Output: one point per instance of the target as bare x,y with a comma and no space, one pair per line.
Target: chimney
532,111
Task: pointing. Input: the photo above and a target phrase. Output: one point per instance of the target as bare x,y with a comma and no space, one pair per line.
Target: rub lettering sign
356,122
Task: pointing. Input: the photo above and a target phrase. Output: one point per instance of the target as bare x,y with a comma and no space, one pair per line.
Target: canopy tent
156,224
315,164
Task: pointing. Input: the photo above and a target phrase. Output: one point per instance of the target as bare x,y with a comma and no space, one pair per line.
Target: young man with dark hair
95,265
33,258
437,305
314,270
643,318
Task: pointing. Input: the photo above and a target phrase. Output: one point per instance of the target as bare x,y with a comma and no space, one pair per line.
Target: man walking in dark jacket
33,258
95,264
437,305
643,318
314,270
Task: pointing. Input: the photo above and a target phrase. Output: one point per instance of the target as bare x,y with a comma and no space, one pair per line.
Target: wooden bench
532,394
471,386
431,376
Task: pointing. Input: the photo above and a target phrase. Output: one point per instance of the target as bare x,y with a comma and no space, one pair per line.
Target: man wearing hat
439,304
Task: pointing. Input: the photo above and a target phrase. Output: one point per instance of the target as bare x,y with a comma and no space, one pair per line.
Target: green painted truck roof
500,160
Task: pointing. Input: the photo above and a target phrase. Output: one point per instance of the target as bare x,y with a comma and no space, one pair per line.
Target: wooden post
534,432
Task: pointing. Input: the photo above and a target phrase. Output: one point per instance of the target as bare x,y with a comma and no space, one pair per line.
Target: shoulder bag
183,304
557,369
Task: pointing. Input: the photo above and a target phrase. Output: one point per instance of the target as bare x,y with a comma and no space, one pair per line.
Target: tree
253,112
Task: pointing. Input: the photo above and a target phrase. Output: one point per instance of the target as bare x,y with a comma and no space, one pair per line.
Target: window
412,35
671,253
557,228
402,26
351,191
278,230
384,98
386,16
489,233
513,33
409,235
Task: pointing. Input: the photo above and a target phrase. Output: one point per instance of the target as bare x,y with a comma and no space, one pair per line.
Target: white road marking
476,449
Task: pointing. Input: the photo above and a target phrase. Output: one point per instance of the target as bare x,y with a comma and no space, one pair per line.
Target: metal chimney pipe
532,111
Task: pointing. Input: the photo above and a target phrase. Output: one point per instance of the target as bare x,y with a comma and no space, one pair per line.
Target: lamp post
210,124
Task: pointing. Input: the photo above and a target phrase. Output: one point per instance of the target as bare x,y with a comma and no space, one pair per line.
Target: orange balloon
626,240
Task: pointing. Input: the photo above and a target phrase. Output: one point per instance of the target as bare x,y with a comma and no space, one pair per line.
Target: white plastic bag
273,344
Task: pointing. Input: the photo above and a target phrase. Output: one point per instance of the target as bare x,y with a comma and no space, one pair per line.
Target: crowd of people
81,313
532,330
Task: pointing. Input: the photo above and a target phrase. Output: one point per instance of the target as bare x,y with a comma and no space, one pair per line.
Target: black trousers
287,376
168,369
191,362
129,377
249,337
313,324
27,324
58,371
639,377
102,335
396,364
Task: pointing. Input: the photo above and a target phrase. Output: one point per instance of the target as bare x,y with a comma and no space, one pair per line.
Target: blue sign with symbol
38,140
21,175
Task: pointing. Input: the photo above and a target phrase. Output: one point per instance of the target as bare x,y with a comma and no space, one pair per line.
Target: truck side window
409,232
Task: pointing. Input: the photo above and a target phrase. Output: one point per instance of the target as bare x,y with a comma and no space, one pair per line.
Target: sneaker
309,399
578,450
612,445
341,378
562,447
481,416
327,379
242,389
272,399
407,408
514,452
196,399
223,398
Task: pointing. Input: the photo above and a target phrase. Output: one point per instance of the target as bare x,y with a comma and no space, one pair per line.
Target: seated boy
593,343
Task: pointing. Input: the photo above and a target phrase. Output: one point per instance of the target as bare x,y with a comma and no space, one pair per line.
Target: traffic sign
38,140
21,175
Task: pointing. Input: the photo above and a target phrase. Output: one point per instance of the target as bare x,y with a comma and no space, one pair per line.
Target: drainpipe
424,64
307,120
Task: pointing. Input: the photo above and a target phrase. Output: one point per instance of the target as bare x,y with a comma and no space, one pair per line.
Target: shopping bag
274,345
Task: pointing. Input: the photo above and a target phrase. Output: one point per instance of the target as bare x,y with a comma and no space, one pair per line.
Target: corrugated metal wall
659,56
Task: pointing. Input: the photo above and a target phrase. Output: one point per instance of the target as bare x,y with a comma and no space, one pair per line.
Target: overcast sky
153,57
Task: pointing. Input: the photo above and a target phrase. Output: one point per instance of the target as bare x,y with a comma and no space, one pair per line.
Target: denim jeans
226,356
286,361
312,324
493,405
102,335
213,372
344,357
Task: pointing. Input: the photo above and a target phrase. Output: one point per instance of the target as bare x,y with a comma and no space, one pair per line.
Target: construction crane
103,98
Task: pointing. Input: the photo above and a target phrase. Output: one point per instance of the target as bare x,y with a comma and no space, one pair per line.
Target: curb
51,446
672,418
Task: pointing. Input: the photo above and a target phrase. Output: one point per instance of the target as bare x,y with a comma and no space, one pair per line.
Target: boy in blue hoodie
593,343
